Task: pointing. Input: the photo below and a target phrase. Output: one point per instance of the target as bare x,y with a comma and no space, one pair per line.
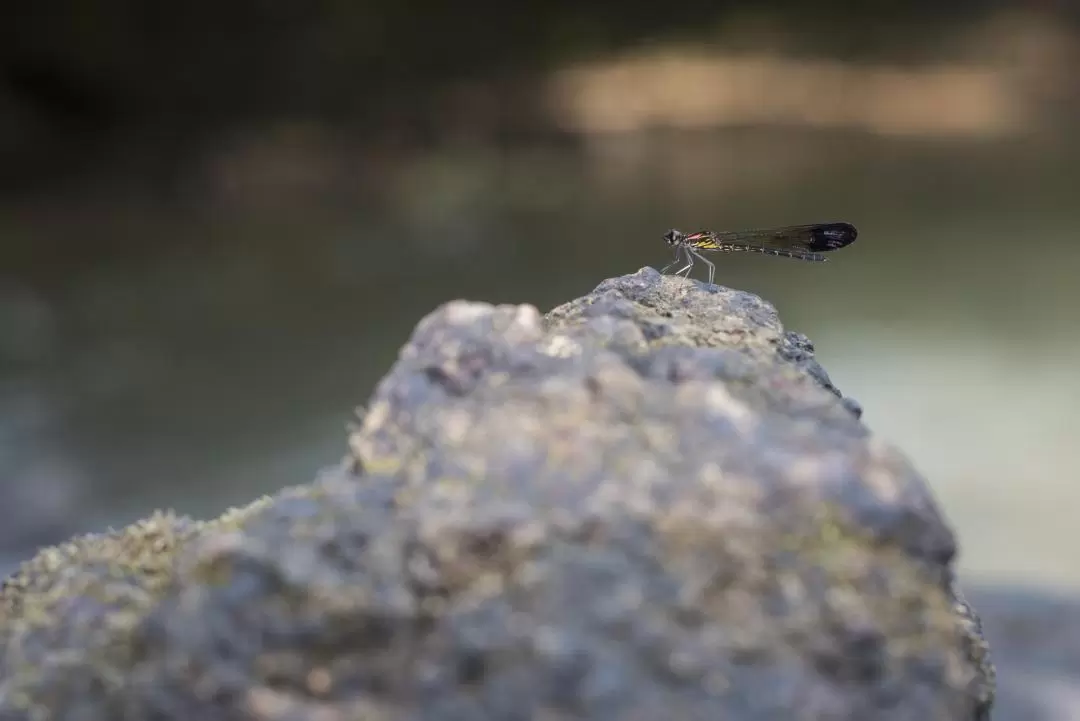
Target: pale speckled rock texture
649,504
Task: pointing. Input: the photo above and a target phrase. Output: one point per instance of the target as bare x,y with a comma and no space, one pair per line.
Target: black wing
815,238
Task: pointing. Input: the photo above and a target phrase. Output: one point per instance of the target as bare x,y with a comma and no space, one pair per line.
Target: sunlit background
218,224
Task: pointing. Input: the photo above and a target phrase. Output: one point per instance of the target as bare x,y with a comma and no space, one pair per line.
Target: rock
650,503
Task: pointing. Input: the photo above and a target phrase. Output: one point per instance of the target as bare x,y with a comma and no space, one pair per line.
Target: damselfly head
672,236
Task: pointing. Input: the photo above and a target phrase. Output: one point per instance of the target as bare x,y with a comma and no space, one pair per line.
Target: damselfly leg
688,255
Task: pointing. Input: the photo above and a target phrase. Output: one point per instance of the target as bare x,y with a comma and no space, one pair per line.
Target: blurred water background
219,223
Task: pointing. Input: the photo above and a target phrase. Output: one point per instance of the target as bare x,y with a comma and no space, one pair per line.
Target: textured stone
651,503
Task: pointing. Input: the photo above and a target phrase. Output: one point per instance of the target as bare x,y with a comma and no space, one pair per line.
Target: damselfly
805,242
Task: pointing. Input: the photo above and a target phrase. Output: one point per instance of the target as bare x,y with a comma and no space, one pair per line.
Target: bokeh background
219,222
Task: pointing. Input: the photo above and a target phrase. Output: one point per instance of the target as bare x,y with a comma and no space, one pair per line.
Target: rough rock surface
649,504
